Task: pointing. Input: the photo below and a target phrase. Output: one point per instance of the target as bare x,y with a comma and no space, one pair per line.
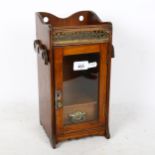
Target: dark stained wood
58,55
83,49
90,18
110,54
102,82
99,131
46,82
50,73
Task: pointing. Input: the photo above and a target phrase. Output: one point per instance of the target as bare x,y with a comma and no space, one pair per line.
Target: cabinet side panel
44,96
44,79
109,56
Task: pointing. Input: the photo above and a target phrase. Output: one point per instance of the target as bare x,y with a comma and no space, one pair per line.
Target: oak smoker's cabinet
74,59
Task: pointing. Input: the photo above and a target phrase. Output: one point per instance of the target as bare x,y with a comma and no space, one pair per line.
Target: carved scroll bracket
41,49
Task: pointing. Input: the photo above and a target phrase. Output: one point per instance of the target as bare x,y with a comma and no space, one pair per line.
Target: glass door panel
80,88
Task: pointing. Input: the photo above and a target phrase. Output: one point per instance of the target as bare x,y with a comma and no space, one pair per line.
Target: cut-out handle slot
81,18
45,19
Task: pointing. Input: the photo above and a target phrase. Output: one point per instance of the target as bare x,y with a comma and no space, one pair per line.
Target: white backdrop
132,84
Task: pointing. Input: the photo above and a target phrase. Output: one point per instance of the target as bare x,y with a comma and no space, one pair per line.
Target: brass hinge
58,99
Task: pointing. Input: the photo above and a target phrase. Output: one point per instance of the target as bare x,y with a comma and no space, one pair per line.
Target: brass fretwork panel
78,36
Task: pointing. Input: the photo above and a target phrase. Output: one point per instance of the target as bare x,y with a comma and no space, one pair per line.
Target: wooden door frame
59,52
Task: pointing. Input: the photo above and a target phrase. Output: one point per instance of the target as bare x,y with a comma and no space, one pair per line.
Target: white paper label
83,65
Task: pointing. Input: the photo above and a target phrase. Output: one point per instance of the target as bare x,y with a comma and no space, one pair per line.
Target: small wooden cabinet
74,59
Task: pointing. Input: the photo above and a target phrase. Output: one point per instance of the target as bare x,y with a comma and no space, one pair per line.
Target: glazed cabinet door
80,87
